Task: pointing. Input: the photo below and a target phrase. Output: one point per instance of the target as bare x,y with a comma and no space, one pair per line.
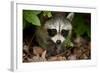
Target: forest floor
80,51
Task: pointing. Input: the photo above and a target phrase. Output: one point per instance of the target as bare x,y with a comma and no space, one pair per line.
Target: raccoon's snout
58,39
58,42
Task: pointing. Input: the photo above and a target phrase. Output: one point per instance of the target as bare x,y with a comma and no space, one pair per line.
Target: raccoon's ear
70,16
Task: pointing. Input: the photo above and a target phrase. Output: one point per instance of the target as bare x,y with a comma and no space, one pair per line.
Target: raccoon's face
59,28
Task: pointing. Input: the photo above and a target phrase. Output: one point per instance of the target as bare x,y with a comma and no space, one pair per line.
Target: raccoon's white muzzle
59,38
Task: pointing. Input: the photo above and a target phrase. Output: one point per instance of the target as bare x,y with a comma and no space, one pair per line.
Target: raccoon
52,34
58,28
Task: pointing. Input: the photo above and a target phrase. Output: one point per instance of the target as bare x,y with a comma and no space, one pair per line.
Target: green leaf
31,17
47,13
67,43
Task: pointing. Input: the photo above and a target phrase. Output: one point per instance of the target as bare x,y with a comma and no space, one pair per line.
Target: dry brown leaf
38,58
37,50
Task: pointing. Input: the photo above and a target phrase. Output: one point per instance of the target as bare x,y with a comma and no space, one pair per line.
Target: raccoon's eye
52,32
64,33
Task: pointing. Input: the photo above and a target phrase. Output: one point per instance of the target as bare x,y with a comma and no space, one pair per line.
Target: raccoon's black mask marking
52,32
64,32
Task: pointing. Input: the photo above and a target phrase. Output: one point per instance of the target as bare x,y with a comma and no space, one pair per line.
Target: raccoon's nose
58,41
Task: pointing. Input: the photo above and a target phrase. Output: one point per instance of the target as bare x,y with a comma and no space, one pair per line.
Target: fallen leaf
37,50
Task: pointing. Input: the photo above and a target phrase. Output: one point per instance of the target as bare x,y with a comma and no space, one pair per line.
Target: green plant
80,26
47,13
30,16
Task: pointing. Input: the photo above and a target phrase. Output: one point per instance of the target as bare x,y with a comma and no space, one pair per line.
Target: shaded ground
80,51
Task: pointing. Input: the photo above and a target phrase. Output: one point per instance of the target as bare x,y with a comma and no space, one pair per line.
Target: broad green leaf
31,17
